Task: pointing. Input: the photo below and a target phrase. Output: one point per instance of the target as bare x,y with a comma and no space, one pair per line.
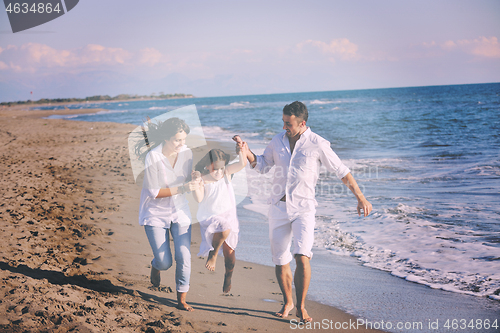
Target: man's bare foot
285,310
184,306
212,259
227,282
155,277
304,317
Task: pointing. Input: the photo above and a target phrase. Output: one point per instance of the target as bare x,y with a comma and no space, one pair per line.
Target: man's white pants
281,230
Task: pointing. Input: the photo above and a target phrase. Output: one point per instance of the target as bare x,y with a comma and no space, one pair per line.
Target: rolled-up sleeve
265,161
331,161
151,184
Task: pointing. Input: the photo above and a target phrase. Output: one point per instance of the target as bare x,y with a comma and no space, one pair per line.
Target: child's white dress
217,213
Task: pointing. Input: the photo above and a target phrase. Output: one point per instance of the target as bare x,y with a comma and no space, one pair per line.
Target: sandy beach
75,259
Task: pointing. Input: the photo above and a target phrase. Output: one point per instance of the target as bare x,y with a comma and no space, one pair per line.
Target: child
217,210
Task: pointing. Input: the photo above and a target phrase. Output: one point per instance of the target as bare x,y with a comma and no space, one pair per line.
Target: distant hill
99,98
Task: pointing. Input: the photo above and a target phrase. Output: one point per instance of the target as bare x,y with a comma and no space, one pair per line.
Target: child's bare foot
211,260
227,282
285,310
184,306
304,317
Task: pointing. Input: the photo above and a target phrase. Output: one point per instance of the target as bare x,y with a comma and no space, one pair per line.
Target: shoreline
76,256
20,111
15,105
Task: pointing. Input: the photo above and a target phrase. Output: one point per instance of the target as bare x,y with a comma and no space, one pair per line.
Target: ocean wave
330,101
221,134
404,241
234,105
381,162
66,116
485,170
321,102
110,111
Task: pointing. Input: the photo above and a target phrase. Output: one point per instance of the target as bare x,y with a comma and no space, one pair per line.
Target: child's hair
157,133
212,156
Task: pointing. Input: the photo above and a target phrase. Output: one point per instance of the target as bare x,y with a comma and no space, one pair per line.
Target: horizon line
268,94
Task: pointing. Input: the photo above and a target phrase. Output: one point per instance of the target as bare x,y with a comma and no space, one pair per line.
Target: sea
428,160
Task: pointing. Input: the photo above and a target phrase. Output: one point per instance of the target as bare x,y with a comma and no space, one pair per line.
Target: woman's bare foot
227,282
285,310
155,277
211,260
184,306
304,317
181,302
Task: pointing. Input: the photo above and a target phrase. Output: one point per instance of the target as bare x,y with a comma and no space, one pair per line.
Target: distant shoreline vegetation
99,98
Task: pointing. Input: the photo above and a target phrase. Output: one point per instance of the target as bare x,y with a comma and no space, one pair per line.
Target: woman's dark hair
297,109
156,133
212,156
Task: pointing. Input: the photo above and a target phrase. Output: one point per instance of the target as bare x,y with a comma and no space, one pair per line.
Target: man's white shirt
296,174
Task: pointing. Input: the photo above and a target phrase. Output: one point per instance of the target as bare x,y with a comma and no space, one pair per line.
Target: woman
164,210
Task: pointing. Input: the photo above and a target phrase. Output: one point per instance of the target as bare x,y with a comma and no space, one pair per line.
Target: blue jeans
159,239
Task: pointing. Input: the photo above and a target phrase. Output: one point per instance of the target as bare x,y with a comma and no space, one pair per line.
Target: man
296,155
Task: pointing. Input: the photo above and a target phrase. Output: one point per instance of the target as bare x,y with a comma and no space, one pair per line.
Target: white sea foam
220,134
329,101
234,105
67,116
373,167
321,102
243,104
400,241
111,111
161,108
490,169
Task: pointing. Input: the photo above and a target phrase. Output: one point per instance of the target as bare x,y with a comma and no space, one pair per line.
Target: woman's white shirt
158,173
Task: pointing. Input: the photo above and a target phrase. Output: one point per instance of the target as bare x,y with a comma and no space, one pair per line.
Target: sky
224,48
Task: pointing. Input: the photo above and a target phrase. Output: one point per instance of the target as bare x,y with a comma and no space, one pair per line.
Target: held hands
194,184
240,145
196,179
237,139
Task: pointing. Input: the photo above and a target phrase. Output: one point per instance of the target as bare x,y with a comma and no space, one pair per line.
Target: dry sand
73,257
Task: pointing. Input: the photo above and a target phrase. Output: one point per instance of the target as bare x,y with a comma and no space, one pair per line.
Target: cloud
481,47
338,48
150,56
448,45
33,57
97,54
428,45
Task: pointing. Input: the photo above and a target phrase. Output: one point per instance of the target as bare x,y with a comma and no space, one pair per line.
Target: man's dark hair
297,109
